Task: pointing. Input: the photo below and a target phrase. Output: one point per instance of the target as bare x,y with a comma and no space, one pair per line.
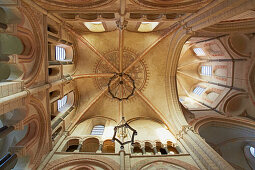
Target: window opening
198,90
62,102
97,130
60,53
199,51
206,70
252,151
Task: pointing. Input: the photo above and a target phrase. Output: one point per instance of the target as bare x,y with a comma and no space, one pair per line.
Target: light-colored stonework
49,106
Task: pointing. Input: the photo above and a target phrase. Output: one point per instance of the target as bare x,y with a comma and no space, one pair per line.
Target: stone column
165,147
8,161
122,159
100,148
202,153
79,147
143,149
5,130
131,149
154,147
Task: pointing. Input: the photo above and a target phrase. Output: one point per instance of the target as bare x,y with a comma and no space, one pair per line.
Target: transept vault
181,73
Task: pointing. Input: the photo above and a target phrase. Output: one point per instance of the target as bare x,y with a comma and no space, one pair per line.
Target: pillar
5,130
122,159
155,150
8,161
165,147
143,150
202,153
132,149
100,148
79,147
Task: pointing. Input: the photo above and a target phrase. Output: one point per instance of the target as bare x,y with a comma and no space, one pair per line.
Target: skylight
97,23
95,26
198,90
60,53
206,70
62,102
97,130
199,51
147,26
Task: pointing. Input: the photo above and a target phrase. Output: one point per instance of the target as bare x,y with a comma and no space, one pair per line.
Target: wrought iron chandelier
127,90
122,133
121,87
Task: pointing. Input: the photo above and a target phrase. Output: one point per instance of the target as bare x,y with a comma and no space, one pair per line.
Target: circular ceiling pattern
77,3
138,72
170,3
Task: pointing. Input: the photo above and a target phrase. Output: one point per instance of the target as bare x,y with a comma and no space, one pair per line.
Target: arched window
199,51
206,70
98,130
62,102
60,53
252,151
198,90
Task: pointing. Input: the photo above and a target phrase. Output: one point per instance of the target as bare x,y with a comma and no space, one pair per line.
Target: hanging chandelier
121,87
124,134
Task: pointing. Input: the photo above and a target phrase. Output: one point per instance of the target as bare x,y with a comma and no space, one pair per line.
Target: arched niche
160,148
108,146
53,71
71,145
236,104
212,96
228,138
90,145
240,44
148,148
54,94
220,72
52,28
171,149
137,149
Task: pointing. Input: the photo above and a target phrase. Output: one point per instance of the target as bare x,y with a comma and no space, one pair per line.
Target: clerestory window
198,90
199,51
97,130
62,102
60,53
206,70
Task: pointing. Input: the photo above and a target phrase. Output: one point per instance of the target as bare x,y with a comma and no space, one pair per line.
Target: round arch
78,160
170,161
